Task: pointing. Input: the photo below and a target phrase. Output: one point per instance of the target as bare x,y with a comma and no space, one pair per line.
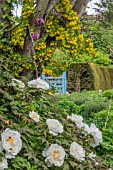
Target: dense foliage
95,107
36,135
99,27
39,130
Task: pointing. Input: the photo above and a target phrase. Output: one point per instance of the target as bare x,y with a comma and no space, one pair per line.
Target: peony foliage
49,140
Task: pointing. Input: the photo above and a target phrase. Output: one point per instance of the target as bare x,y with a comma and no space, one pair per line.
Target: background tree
105,7
99,28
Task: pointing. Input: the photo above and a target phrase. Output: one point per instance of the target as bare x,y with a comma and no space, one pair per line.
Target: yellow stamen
34,116
76,149
10,140
56,154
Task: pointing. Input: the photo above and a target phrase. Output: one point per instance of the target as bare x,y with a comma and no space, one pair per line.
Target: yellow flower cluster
68,33
19,33
47,72
17,37
12,62
28,8
6,49
42,54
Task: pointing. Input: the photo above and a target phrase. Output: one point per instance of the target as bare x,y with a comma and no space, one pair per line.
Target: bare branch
8,30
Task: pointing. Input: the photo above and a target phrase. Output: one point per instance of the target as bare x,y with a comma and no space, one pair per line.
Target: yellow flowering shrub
65,26
64,29
17,63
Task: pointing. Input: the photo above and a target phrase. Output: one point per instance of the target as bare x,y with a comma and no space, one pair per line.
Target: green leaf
66,166
8,1
16,166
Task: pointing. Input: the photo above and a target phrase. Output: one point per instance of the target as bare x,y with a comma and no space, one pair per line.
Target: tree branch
50,7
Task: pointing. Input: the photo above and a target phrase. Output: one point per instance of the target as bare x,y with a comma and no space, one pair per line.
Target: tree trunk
80,6
42,11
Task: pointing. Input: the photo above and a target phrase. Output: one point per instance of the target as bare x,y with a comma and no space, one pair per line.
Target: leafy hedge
88,76
79,77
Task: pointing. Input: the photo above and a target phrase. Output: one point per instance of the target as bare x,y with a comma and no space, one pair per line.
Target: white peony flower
76,119
17,83
55,155
77,151
96,134
11,142
91,156
33,115
54,126
3,164
39,84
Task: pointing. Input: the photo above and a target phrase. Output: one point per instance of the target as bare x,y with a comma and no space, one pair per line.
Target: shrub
108,94
100,119
37,135
102,59
93,107
68,106
84,96
79,98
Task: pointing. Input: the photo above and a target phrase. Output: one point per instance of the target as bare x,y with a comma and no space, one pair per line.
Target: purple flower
85,14
83,29
27,48
90,37
58,16
35,36
40,21
72,1
98,16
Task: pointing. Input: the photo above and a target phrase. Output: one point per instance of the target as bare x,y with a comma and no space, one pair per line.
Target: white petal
47,162
55,134
38,83
91,155
3,164
1,148
76,119
9,156
92,127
